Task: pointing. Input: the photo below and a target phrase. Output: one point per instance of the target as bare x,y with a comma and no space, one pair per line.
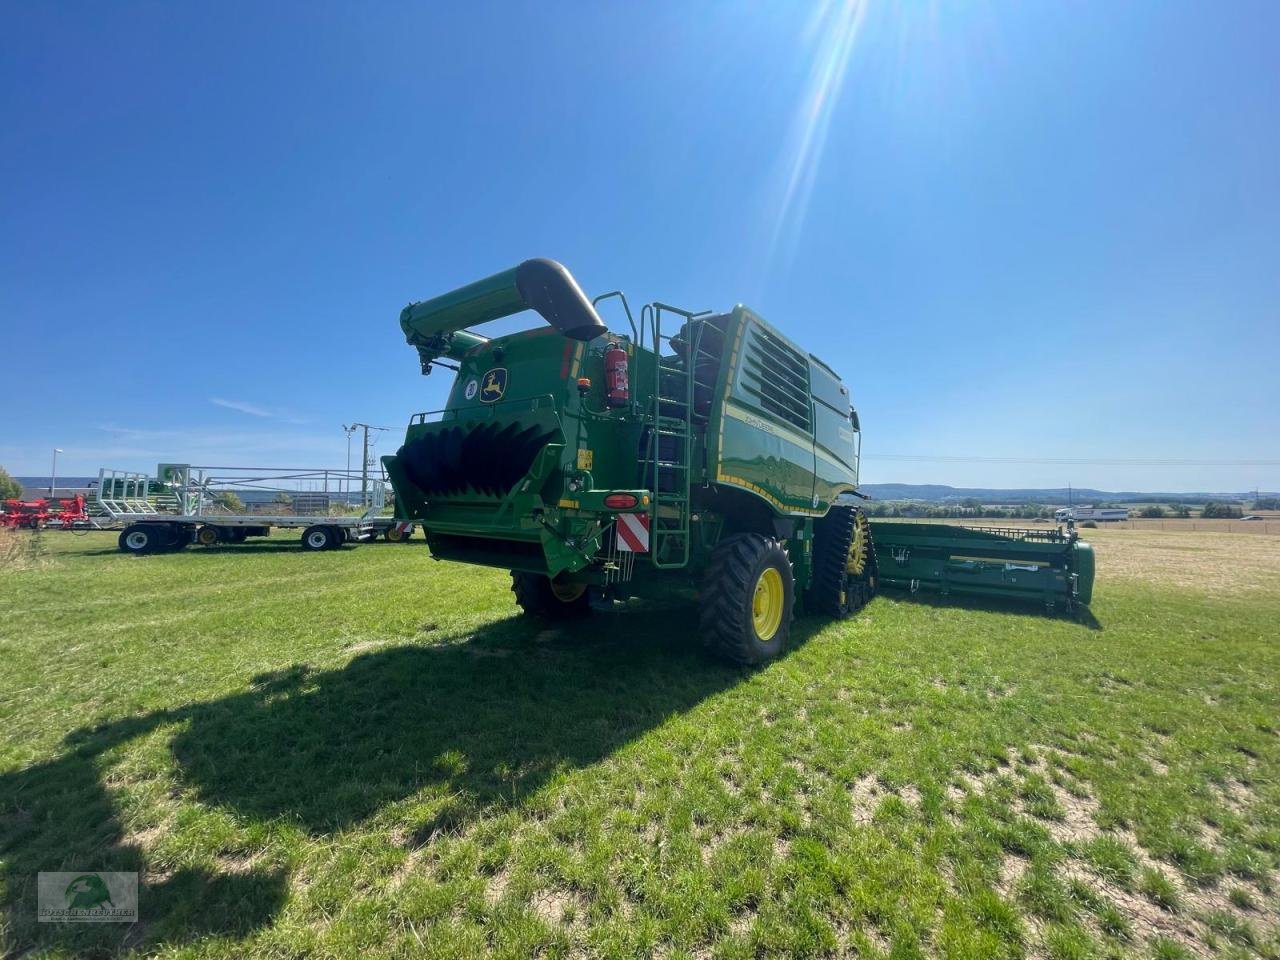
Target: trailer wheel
140,538
747,598
844,563
237,534
318,537
208,536
180,536
339,537
540,596
394,534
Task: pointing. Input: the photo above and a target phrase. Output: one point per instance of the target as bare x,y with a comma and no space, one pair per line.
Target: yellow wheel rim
567,592
766,604
857,561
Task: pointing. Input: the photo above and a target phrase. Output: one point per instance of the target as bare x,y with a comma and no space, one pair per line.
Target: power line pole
364,461
346,485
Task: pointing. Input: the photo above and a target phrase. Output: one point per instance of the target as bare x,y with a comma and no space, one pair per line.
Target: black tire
318,537
339,537
237,534
208,536
538,596
180,536
394,534
143,538
731,621
839,591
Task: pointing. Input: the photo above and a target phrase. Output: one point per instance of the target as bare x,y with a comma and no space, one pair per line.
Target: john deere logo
494,386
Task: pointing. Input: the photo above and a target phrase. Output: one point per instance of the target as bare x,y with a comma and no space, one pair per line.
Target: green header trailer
699,454
1049,565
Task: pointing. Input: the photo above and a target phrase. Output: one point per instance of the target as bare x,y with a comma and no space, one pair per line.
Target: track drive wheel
747,598
540,596
844,563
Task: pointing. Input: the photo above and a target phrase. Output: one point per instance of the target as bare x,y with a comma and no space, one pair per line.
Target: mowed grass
366,753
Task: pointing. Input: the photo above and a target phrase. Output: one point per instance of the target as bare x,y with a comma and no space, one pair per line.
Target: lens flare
832,30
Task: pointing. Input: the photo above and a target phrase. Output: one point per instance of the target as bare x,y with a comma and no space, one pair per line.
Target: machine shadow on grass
462,724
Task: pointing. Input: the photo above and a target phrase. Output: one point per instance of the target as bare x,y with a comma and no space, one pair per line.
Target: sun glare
830,33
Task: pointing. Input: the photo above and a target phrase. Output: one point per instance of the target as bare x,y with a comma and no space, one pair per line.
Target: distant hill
938,493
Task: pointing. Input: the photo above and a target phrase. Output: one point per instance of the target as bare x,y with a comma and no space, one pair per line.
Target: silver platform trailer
184,504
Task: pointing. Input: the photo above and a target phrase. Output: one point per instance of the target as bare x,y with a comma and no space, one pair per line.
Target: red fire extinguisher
617,389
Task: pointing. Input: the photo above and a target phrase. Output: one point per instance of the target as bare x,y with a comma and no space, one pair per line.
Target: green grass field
367,754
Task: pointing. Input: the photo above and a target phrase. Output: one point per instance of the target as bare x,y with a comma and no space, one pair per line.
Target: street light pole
53,478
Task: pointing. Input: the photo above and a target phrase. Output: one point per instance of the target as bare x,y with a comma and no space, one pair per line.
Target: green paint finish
514,472
1047,566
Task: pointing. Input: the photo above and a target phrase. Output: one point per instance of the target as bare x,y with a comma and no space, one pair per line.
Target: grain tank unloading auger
702,453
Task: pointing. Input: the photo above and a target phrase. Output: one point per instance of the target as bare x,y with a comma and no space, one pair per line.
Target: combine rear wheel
844,563
540,596
747,598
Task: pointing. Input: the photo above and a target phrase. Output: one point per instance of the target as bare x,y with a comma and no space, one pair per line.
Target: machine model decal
472,386
495,385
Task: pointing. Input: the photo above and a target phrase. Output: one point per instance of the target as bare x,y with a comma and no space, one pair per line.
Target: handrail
635,336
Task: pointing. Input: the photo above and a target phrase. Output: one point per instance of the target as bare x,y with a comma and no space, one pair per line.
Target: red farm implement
66,513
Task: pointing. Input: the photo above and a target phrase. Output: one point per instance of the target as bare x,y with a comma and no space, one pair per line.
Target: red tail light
621,501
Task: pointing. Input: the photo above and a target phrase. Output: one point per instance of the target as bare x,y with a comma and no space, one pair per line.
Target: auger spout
437,326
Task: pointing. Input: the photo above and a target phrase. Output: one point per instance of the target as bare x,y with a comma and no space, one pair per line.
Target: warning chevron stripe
633,532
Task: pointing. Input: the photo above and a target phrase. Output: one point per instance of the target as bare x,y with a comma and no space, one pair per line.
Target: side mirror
853,419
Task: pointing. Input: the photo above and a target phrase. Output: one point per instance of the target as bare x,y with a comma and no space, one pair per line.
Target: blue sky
1030,231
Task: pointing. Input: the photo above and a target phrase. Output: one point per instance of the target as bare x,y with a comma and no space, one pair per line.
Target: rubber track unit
832,539
534,597
726,597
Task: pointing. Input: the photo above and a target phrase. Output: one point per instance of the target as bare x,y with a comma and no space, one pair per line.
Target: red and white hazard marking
633,532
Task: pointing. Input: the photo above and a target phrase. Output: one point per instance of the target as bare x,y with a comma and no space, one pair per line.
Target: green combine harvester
699,454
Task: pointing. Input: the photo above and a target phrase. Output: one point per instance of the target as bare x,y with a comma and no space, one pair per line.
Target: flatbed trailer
184,504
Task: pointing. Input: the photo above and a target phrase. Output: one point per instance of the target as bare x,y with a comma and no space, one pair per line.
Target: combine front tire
747,598
844,563
540,596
